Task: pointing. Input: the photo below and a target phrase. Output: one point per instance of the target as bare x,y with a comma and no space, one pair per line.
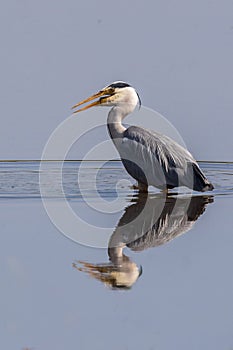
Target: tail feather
200,182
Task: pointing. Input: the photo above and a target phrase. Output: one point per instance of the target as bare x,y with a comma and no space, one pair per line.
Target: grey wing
178,217
152,222
155,159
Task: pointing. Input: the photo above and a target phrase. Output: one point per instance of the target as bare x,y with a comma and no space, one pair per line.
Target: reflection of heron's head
120,277
125,280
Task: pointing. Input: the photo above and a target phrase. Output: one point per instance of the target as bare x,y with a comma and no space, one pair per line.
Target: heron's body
149,157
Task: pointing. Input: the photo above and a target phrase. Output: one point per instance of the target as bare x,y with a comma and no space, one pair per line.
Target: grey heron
148,156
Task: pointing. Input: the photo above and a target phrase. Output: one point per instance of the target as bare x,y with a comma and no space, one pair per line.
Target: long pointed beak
96,103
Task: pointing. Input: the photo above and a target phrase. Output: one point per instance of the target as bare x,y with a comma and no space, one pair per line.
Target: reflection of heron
163,219
149,157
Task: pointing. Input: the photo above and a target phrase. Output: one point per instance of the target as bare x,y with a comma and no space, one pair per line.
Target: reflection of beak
96,103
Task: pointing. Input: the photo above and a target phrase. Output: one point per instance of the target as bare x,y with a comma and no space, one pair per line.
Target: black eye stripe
119,85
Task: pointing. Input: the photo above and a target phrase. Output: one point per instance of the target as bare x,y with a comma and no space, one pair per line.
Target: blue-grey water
58,294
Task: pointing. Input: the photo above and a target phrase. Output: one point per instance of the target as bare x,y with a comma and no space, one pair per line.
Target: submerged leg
142,187
165,191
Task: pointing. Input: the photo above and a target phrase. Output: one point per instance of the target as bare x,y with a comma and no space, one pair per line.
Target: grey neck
114,122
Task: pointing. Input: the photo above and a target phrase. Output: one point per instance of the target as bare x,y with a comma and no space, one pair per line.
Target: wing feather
157,160
167,151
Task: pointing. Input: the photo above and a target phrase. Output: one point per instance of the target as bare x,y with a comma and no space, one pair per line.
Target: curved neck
114,122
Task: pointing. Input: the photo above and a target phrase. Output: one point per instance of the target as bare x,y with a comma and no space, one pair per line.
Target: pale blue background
178,54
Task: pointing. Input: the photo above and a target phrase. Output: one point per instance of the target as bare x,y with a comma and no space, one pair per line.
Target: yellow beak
93,97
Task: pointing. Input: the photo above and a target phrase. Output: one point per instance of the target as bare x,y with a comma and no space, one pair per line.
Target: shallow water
57,294
21,178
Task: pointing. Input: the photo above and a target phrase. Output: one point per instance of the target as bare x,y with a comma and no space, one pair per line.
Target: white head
118,94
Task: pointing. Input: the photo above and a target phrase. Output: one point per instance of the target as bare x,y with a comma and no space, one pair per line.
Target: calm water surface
170,287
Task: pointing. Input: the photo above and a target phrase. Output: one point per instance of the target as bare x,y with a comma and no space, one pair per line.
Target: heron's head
115,94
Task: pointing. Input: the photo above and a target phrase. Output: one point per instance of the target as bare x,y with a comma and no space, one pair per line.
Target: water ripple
20,179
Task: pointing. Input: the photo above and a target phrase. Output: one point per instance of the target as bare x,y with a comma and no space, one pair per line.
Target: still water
163,281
